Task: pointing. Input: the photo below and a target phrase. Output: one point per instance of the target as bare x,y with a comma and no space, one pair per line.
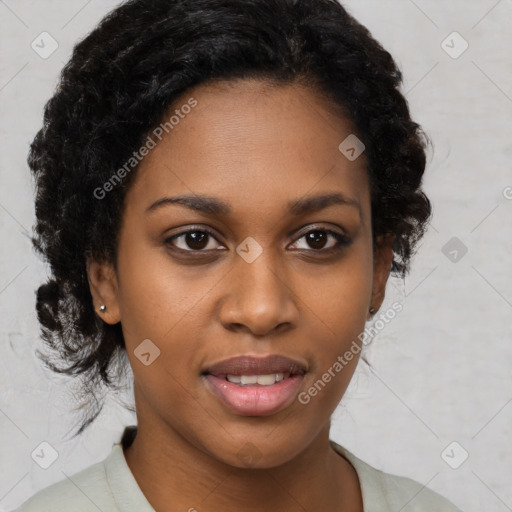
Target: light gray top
109,486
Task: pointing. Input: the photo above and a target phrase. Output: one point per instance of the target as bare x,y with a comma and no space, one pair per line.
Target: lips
255,386
249,365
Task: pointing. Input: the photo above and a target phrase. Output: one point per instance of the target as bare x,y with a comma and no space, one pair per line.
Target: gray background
441,368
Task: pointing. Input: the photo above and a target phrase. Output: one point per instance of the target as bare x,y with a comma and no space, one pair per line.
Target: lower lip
255,400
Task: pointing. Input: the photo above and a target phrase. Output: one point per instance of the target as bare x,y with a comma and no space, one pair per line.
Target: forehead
251,143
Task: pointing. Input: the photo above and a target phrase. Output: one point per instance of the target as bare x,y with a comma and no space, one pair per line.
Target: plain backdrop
440,388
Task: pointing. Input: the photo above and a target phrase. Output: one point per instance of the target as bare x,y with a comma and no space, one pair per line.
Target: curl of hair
119,84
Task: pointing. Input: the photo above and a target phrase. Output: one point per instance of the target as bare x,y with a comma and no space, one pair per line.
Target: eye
197,240
318,238
201,240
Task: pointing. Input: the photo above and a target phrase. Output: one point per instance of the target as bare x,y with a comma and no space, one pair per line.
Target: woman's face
270,269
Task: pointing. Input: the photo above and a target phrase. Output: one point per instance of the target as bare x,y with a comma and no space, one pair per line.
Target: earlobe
104,290
382,269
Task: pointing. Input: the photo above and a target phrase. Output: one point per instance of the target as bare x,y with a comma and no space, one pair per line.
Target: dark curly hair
118,86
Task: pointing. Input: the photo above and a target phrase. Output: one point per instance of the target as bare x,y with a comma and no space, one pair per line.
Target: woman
223,189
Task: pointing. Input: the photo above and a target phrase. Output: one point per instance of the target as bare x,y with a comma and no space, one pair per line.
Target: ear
381,269
104,290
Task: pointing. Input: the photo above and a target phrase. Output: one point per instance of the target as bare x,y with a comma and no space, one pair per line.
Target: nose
258,298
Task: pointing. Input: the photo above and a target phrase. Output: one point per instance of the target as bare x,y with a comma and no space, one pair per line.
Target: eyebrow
297,207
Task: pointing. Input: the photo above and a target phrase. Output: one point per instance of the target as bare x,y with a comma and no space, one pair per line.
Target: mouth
255,386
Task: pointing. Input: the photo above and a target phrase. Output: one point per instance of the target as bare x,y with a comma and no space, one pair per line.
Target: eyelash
342,240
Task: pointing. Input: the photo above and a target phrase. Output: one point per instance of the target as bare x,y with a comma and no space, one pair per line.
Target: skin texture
256,147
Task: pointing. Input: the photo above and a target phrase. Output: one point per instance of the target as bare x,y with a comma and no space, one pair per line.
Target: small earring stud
103,308
372,310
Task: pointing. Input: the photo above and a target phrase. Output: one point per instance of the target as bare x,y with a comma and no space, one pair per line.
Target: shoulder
383,492
85,491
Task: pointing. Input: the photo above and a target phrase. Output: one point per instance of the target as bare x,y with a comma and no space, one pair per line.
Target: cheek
340,297
155,293
163,310
334,351
340,306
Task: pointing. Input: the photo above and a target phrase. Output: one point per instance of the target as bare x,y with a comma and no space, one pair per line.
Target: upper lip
251,365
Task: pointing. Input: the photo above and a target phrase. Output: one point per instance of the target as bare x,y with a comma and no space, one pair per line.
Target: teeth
248,379
267,380
262,380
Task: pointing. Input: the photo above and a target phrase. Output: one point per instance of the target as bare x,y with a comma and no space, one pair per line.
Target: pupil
316,237
197,239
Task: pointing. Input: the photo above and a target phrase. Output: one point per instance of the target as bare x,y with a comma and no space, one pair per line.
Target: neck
171,470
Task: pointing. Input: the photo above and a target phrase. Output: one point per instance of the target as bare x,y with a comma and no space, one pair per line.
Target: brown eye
193,240
317,240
